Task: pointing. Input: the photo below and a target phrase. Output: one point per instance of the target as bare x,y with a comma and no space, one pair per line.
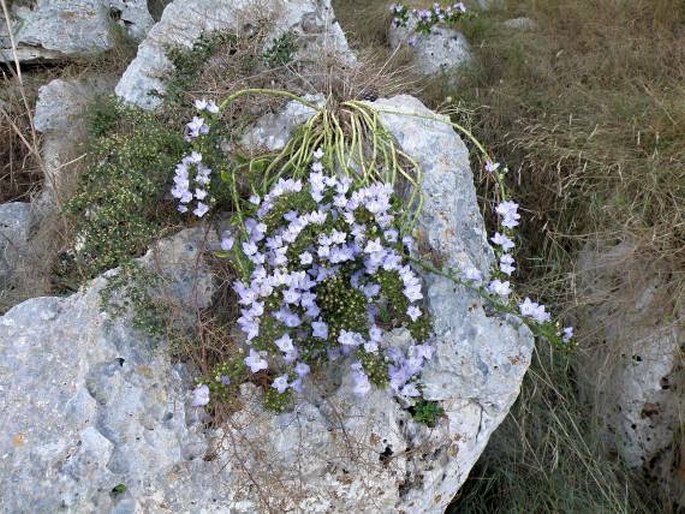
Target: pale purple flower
413,292
414,312
302,369
408,243
341,254
534,310
285,343
193,158
471,274
374,246
280,384
371,346
212,107
424,351
507,211
318,154
371,290
255,361
255,200
350,338
291,296
319,330
503,241
225,380
291,356
491,167
249,248
200,395
182,209
200,104
500,288
201,209
306,258
567,334
391,235
307,300
361,383
410,390
195,127
506,264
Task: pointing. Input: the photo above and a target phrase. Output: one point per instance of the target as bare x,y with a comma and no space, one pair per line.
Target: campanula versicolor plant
324,255
328,278
426,19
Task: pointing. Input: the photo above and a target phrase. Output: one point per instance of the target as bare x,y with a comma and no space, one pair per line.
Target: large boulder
184,21
442,51
635,368
59,116
58,29
88,404
99,419
15,225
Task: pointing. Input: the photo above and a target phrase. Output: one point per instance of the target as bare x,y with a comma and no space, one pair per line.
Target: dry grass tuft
588,111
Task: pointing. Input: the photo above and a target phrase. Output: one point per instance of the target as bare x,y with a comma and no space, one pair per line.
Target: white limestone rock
184,21
59,116
443,51
390,463
15,225
85,409
634,370
522,23
59,29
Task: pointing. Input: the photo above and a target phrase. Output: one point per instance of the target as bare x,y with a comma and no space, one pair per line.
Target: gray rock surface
57,29
636,371
183,21
59,116
133,16
15,226
522,23
444,50
274,129
85,408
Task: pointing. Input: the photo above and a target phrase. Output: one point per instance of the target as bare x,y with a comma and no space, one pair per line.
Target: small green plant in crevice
282,50
189,63
221,385
119,489
426,412
131,291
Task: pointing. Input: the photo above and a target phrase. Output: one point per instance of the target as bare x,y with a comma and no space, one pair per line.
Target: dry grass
588,111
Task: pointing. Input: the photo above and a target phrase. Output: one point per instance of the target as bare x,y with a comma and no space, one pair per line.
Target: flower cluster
192,176
327,278
507,212
426,18
191,182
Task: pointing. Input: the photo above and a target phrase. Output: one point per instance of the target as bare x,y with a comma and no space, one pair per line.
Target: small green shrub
427,412
281,51
131,291
189,63
120,206
119,489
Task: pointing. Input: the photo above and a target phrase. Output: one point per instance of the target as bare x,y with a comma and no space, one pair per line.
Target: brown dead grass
588,112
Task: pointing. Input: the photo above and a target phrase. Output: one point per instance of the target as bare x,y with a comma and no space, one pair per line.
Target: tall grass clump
587,111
